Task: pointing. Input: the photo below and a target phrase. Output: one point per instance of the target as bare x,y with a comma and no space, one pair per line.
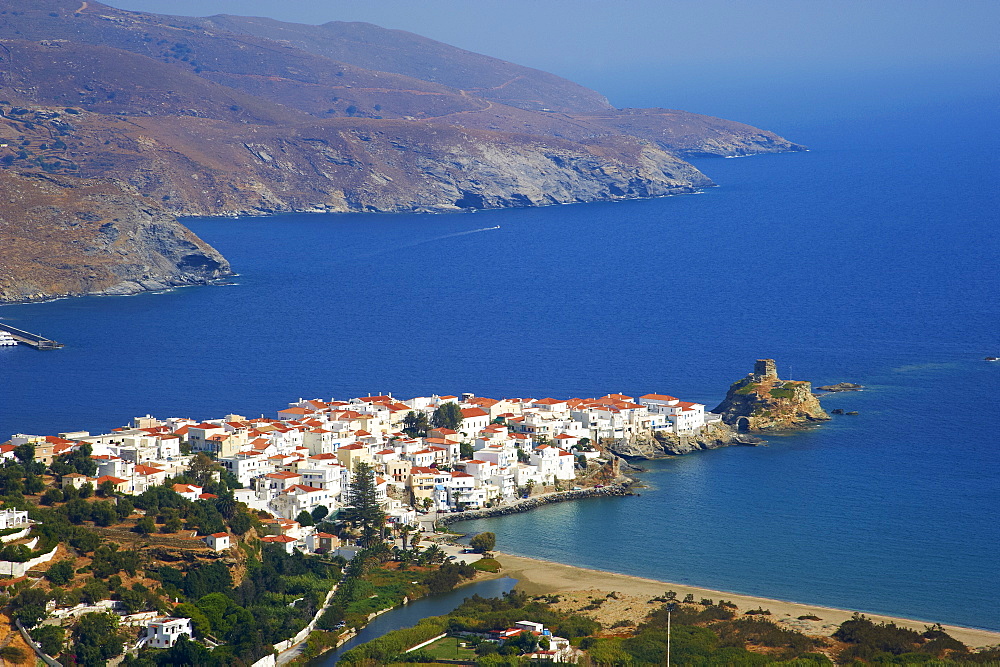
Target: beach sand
577,587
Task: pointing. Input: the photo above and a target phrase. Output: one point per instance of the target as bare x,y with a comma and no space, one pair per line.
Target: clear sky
693,52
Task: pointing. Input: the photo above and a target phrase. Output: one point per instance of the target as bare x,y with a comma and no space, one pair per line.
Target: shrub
483,542
13,653
61,573
145,526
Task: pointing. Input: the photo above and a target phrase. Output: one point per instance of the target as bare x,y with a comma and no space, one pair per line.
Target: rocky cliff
763,402
661,444
65,236
234,115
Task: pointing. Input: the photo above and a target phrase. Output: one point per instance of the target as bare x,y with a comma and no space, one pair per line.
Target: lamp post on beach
670,608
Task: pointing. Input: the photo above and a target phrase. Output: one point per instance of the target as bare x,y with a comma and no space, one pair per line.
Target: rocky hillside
64,236
233,115
762,402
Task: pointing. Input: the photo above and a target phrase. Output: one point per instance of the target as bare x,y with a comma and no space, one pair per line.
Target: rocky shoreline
531,503
662,444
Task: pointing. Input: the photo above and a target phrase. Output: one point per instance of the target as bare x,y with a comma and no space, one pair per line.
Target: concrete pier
28,338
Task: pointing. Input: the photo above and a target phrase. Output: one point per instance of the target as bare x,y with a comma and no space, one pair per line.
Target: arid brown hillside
376,48
66,236
230,115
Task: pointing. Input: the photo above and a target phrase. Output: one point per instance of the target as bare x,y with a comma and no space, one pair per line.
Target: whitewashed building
164,632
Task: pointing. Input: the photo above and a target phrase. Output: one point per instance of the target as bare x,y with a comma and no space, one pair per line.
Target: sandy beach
578,586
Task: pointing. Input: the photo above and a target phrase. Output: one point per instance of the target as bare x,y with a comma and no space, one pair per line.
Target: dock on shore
28,338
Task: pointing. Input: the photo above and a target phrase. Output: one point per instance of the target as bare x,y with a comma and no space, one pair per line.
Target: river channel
411,614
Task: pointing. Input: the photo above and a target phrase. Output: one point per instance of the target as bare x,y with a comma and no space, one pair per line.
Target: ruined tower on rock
765,369
761,401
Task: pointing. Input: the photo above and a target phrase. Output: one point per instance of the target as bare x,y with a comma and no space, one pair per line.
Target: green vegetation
487,565
476,614
96,639
447,648
364,512
483,542
369,586
704,634
749,388
888,643
50,638
781,392
390,645
415,424
276,598
448,415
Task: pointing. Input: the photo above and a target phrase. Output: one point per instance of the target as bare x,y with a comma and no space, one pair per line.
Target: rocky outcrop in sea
763,402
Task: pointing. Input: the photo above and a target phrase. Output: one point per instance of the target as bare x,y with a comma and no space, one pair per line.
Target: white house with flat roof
164,632
682,416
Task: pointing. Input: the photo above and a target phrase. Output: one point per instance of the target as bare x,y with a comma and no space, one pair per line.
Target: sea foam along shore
538,577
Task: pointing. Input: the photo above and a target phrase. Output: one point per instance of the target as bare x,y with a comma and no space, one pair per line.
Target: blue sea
870,259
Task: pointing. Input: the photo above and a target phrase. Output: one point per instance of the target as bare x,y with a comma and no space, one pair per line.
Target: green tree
240,522
172,524
52,496
77,461
415,424
50,638
103,513
61,573
145,525
95,591
33,484
28,606
305,518
133,601
202,626
187,652
124,508
364,510
448,415
96,639
202,469
319,513
483,542
25,453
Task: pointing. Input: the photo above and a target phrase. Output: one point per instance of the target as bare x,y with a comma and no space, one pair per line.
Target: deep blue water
870,259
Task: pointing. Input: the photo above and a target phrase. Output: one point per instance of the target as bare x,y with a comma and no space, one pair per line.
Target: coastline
537,577
528,504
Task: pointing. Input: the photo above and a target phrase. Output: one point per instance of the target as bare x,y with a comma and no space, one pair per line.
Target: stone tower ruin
765,369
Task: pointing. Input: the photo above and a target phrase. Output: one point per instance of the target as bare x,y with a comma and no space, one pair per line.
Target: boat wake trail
431,240
448,236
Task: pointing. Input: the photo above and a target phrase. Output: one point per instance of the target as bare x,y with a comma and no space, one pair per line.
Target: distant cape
228,115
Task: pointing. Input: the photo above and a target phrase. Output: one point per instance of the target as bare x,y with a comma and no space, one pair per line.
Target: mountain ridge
230,116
